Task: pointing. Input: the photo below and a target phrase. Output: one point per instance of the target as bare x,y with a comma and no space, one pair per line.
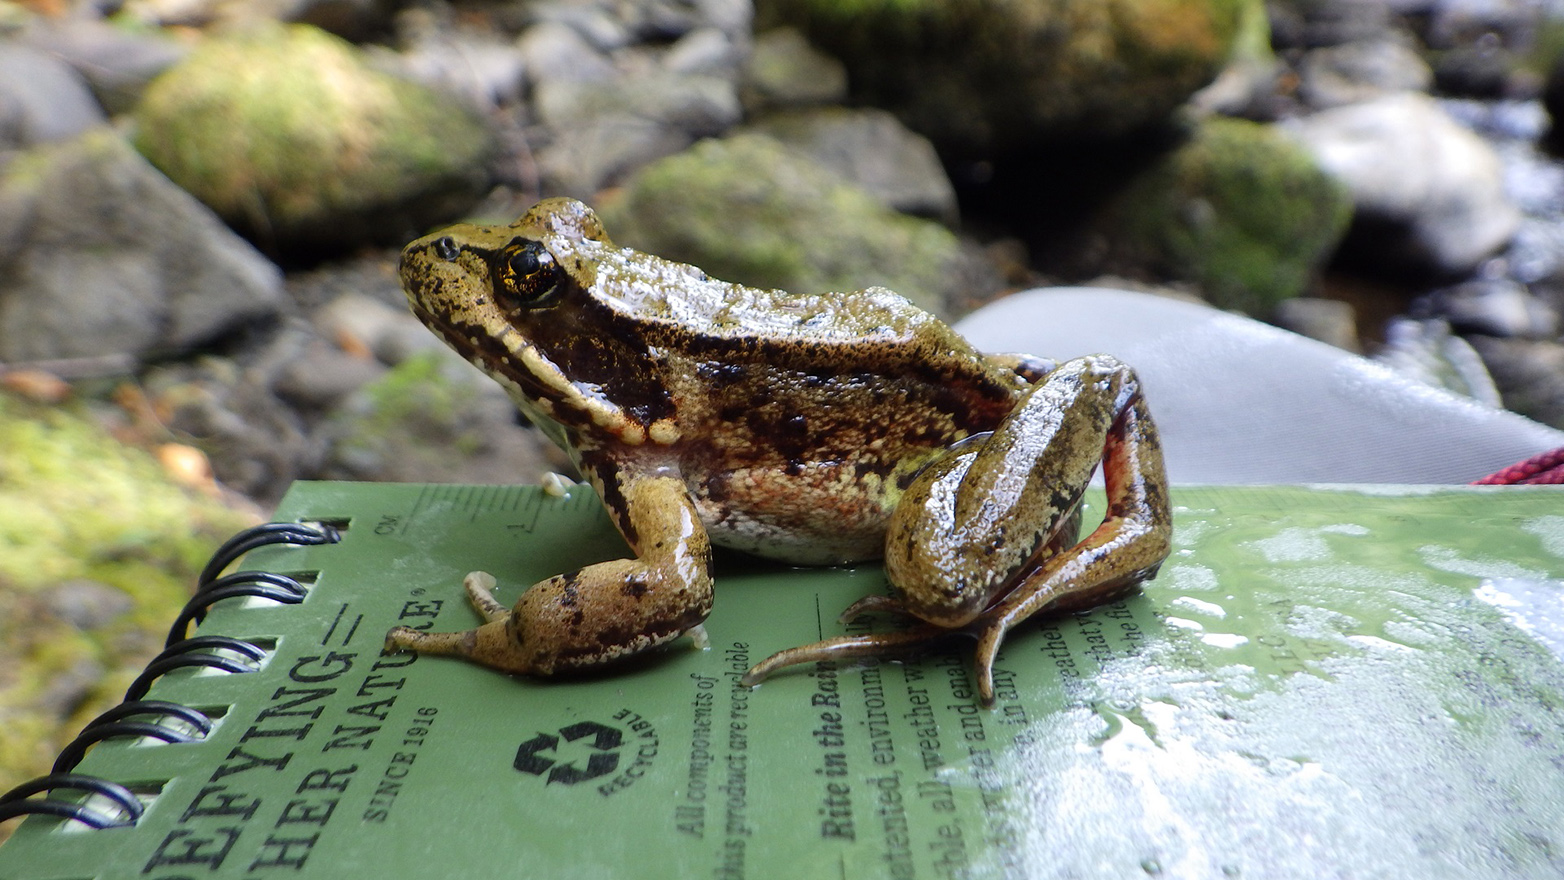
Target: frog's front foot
600,613
490,644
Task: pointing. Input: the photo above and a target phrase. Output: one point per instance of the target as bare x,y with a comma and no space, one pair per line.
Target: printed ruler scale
1322,681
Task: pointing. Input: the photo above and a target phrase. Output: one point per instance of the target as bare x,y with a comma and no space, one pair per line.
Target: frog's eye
526,276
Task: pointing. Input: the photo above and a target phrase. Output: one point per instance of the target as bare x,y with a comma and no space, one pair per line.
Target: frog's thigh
1129,545
971,523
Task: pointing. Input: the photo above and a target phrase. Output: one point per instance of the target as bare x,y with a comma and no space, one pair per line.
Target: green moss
420,386
1252,40
746,209
419,397
986,76
284,130
1546,48
74,502
77,504
1239,210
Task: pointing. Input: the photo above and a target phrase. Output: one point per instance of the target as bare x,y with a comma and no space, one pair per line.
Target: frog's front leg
605,611
984,538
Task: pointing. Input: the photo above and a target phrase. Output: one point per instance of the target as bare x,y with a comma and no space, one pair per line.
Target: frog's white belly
789,518
739,531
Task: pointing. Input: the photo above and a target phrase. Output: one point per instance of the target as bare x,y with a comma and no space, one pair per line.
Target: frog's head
469,279
517,301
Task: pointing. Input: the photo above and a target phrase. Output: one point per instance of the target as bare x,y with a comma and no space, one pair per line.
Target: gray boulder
103,255
748,209
1429,192
874,150
42,99
986,76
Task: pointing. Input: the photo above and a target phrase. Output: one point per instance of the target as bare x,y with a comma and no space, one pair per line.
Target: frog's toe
699,640
871,605
479,586
989,636
394,643
406,639
845,647
988,632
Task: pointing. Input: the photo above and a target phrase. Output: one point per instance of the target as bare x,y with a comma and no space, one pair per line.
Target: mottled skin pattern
813,429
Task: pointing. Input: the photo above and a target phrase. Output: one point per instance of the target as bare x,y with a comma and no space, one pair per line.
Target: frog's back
802,417
874,328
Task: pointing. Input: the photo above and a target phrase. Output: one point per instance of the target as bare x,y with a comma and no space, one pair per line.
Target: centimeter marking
525,505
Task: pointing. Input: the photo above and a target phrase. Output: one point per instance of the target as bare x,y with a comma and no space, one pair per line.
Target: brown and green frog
816,429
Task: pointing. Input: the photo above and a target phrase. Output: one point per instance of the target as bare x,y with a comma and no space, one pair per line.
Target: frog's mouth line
479,348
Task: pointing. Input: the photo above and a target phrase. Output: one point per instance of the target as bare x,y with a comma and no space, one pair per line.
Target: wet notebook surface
1320,682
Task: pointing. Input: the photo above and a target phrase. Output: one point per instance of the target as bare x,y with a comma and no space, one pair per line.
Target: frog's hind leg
910,641
1128,547
984,539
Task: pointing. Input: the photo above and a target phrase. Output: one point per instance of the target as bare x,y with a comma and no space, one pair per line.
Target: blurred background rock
201,203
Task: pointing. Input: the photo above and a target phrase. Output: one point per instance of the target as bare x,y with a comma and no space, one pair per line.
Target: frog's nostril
445,248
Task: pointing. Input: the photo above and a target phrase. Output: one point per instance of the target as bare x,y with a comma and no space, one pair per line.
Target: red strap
1539,469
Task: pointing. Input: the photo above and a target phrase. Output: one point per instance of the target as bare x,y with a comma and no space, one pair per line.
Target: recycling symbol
596,743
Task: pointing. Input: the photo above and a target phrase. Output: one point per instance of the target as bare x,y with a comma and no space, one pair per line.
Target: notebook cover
1360,682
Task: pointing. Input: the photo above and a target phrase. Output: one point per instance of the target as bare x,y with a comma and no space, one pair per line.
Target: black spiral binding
181,650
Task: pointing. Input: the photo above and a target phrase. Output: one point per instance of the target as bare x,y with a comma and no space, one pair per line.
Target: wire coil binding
181,651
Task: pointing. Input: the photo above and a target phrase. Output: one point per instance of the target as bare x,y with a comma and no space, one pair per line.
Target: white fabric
1239,401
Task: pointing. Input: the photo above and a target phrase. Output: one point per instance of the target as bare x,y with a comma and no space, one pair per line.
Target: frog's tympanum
816,429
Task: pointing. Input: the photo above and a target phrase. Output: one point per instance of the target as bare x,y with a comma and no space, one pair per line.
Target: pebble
485,72
704,50
874,150
785,71
1477,71
553,50
115,62
1361,70
1529,374
1495,307
1429,352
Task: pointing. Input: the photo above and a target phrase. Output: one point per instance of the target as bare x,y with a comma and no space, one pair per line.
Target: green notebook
1322,682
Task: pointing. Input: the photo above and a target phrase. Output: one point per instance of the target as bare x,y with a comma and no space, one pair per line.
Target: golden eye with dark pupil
526,276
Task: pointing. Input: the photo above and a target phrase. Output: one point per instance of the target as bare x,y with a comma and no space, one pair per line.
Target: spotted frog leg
985,538
604,611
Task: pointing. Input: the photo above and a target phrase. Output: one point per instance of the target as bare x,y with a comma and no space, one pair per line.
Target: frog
814,429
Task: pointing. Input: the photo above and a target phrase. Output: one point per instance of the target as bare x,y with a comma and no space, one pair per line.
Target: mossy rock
434,418
286,133
748,209
421,399
82,516
1238,210
980,77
